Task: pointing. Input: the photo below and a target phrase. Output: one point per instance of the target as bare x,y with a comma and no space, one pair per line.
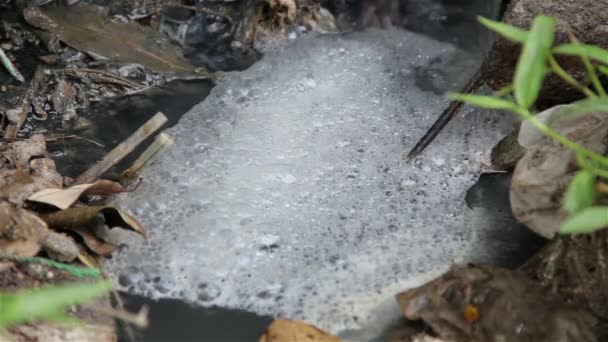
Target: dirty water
116,119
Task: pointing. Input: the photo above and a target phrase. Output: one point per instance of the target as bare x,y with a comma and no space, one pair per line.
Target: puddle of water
114,120
174,320
490,195
489,198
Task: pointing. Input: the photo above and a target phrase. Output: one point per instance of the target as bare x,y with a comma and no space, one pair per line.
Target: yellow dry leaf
286,330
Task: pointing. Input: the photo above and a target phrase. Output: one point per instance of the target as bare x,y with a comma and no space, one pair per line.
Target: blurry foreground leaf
46,302
510,32
586,221
489,102
531,68
578,108
580,194
578,49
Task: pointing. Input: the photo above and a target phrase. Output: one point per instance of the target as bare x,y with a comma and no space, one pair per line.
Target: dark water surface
173,320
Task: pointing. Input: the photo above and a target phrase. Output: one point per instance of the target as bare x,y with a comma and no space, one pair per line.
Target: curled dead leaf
286,330
84,216
94,243
64,198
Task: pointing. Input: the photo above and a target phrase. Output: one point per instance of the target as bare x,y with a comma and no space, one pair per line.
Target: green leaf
512,33
580,194
603,69
531,67
489,102
578,49
586,221
582,107
46,302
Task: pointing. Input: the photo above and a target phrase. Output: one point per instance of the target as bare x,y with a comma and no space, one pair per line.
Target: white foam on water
287,191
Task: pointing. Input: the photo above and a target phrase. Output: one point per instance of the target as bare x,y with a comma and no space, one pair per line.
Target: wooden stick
160,144
123,149
445,117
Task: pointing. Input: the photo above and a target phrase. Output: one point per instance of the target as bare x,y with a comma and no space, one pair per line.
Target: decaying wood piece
17,116
482,303
123,149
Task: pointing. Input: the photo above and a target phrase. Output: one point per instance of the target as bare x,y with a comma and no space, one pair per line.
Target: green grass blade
46,302
586,221
577,49
489,102
531,69
579,108
580,194
512,33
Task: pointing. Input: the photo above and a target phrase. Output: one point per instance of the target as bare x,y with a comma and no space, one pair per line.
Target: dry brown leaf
81,217
84,29
64,198
287,330
20,152
21,232
17,185
45,169
21,247
95,244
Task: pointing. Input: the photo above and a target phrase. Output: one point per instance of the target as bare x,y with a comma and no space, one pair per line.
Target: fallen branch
123,149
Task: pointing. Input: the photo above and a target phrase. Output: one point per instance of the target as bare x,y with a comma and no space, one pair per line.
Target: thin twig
58,138
105,76
74,137
445,117
123,149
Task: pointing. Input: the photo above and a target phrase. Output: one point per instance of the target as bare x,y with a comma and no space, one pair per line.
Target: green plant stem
525,114
590,69
596,81
504,91
557,69
76,271
590,167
